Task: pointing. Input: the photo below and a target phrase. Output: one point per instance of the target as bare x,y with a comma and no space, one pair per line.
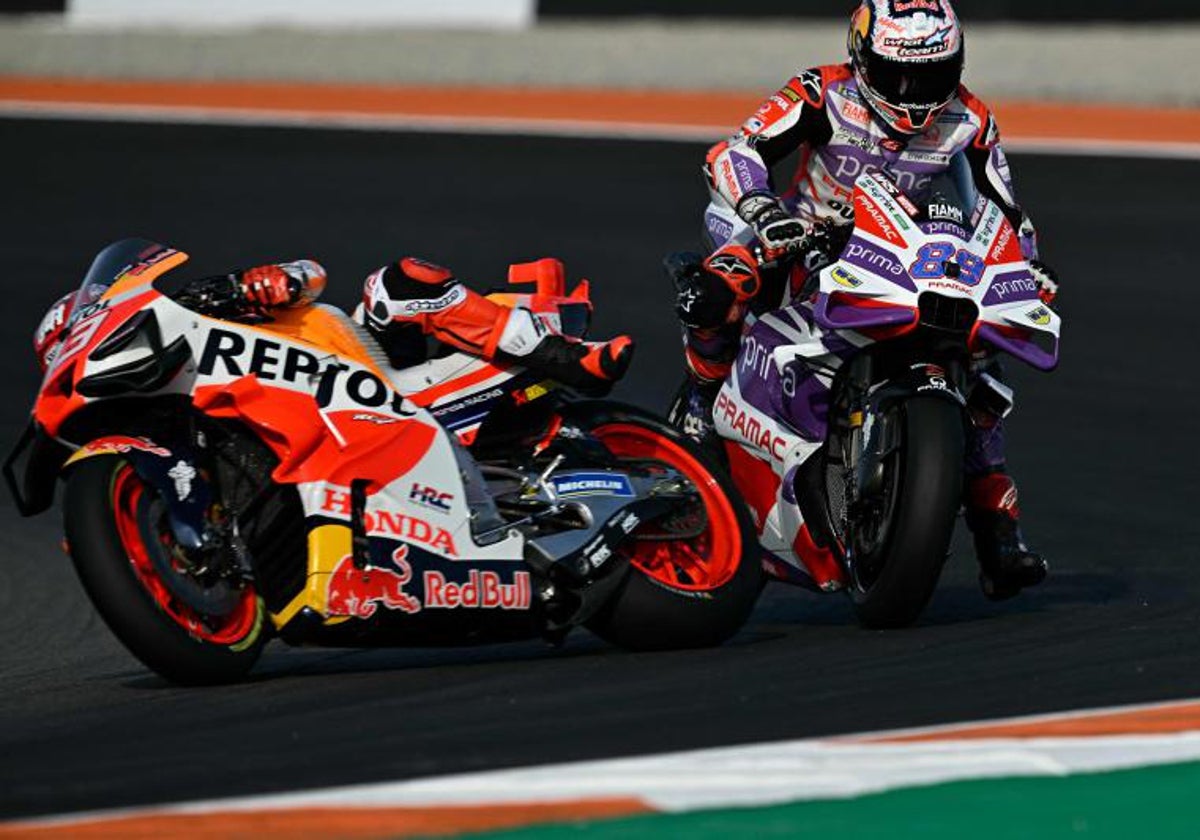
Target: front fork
863,431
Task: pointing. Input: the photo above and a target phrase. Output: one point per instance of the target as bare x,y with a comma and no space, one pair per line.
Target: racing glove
284,284
778,231
1047,280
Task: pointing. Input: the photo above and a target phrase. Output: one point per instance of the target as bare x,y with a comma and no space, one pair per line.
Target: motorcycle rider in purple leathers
896,106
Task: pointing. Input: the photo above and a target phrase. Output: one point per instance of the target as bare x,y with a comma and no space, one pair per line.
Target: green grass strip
1150,803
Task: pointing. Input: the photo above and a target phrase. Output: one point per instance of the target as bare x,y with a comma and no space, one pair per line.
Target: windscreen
108,266
950,196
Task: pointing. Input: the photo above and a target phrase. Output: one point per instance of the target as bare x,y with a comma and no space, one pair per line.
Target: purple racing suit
822,115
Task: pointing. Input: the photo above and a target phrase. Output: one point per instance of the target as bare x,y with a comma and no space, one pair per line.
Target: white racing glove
775,228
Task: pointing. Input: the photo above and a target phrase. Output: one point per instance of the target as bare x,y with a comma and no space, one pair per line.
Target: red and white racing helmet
908,58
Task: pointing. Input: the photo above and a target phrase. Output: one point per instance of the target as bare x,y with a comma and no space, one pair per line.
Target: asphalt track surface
1104,449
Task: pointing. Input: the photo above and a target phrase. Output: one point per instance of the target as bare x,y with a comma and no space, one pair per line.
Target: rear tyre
922,489
190,631
685,593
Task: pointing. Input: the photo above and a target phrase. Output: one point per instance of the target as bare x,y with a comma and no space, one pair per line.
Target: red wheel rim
699,564
229,629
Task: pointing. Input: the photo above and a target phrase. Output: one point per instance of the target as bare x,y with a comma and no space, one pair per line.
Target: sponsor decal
521,396
988,226
228,353
120,445
844,278
418,307
755,357
182,474
142,266
900,198
790,95
936,383
909,7
401,525
628,521
944,228
886,228
856,113
747,178
359,592
780,102
431,498
467,402
720,228
812,87
846,168
946,284
753,125
593,484
377,419
880,261
1005,237
597,552
749,428
730,179
53,320
935,158
483,590
1039,316
945,211
1022,286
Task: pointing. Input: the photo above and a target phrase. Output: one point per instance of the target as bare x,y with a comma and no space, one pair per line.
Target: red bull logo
482,590
359,592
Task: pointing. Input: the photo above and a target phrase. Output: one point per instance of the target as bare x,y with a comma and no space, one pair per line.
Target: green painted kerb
1151,803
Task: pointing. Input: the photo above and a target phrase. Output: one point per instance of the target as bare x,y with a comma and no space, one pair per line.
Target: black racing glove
775,228
700,303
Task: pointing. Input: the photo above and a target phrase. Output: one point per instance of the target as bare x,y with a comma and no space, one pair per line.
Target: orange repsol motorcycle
234,478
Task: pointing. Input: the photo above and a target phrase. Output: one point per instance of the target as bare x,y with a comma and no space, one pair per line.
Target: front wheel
899,539
681,593
189,625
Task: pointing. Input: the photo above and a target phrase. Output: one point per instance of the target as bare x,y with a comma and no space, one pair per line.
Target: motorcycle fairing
892,260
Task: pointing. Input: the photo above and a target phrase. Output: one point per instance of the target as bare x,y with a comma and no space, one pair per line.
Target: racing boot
591,367
1006,565
692,411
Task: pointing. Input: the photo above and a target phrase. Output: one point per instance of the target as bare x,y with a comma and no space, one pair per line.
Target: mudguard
882,434
172,471
922,379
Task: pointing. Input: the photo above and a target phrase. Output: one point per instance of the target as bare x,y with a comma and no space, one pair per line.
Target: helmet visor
915,84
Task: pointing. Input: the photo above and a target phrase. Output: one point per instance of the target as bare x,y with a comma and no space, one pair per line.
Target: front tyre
190,629
899,556
681,593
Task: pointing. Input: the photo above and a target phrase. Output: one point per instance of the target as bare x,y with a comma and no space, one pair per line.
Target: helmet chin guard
907,56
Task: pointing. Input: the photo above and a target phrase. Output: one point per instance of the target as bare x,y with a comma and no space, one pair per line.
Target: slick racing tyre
695,591
900,539
190,628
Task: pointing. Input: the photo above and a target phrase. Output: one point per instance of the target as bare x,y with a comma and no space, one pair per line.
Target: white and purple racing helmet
908,58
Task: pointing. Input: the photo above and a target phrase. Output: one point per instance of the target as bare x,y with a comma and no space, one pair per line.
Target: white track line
742,776
584,129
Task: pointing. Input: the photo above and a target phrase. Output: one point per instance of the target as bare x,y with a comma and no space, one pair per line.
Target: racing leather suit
821,114
407,300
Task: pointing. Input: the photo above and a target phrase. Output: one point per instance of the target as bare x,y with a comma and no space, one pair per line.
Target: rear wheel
898,538
692,591
193,626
